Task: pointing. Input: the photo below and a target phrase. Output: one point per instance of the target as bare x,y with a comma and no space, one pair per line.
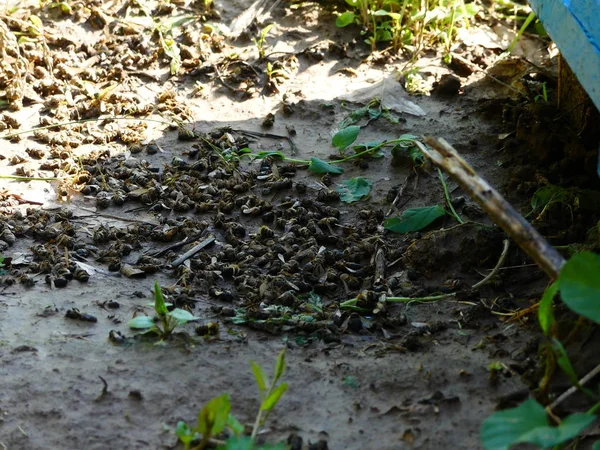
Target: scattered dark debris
24,348
75,314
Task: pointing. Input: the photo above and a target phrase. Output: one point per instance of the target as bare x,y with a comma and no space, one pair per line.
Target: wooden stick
447,158
193,251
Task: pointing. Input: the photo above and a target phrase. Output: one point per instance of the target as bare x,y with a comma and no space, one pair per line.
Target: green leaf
279,366
179,21
246,443
370,145
383,12
182,316
414,219
141,323
270,402
528,423
545,313
351,381
596,445
354,189
265,31
235,425
319,166
213,416
548,437
579,282
345,137
159,300
345,19
274,155
547,195
564,362
260,376
38,26
184,432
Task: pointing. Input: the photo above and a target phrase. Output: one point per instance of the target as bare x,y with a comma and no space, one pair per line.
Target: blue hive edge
574,26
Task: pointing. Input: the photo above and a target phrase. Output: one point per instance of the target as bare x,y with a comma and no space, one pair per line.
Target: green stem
447,195
297,161
96,119
529,19
594,409
452,17
347,158
351,304
14,177
371,150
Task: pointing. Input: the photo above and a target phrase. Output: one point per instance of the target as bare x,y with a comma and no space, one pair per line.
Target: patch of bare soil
283,253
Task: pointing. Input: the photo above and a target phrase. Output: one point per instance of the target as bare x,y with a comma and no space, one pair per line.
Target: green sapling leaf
528,423
414,219
564,362
260,376
345,19
214,415
319,166
182,316
580,285
141,323
159,300
184,432
545,313
354,189
270,402
547,195
345,137
236,427
279,366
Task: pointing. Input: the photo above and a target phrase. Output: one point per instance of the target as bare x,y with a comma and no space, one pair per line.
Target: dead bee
252,211
36,153
231,271
279,185
265,232
90,189
235,228
242,187
26,280
81,275
350,281
118,198
204,207
8,236
103,199
181,206
65,240
209,329
219,221
327,196
268,217
101,235
225,206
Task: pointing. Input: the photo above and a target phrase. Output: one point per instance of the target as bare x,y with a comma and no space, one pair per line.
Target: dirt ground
414,376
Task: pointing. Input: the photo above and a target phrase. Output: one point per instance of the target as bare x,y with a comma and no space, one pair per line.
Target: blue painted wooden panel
574,25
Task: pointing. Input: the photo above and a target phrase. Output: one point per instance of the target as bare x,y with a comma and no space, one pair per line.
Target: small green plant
543,96
261,41
579,288
2,270
165,321
216,416
407,24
